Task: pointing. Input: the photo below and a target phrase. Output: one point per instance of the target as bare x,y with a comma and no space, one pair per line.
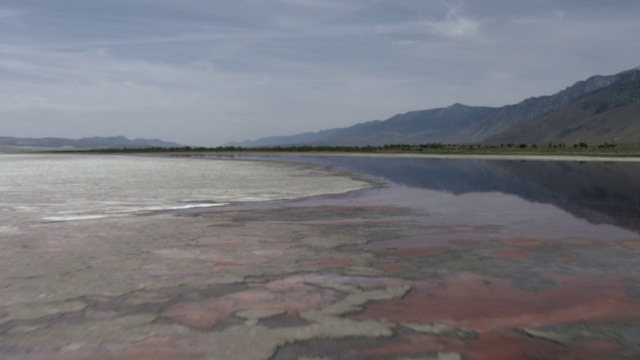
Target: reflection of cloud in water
599,192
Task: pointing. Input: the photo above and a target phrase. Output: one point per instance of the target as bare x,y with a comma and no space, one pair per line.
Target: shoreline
264,154
613,157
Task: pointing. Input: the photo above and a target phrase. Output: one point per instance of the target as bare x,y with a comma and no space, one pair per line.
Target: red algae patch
489,347
497,345
510,345
403,243
276,241
277,295
413,252
630,244
226,241
292,294
328,263
485,304
393,268
407,247
510,254
525,243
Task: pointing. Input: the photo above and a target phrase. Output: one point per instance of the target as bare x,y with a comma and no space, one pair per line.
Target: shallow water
542,199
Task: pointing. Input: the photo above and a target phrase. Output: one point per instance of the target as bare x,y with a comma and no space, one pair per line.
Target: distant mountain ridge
616,96
95,142
609,114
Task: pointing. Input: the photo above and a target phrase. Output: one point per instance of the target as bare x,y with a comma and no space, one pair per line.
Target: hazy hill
460,124
406,128
610,114
84,143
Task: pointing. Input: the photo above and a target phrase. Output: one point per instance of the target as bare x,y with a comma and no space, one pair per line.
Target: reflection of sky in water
528,199
514,217
480,216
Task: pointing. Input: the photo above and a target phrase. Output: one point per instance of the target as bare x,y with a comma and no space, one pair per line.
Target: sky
204,73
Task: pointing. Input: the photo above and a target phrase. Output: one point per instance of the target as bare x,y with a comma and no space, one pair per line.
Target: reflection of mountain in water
599,192
596,191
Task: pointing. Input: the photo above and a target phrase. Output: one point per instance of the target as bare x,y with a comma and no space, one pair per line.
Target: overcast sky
207,72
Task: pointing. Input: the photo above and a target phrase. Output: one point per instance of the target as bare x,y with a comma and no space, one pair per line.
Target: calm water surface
538,199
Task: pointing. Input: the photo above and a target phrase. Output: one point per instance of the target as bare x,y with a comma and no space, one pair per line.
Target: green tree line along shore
605,149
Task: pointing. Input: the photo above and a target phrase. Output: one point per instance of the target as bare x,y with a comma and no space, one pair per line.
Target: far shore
587,156
545,157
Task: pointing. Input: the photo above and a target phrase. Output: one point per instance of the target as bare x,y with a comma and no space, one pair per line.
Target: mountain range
597,110
95,142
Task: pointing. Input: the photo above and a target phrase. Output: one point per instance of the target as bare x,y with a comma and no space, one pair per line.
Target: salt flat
387,272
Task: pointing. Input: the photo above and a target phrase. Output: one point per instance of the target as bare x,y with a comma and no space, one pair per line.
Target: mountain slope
457,124
426,126
509,116
610,114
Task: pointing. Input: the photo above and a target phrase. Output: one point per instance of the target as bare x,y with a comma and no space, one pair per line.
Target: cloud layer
204,73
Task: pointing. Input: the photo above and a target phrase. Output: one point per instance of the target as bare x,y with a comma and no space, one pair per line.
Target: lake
318,257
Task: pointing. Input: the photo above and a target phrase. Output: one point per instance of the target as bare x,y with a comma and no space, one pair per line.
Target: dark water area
596,191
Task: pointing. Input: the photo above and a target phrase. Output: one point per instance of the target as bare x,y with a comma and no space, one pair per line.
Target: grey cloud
204,73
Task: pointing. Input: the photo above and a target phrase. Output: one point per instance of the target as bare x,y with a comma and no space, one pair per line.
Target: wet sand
376,274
